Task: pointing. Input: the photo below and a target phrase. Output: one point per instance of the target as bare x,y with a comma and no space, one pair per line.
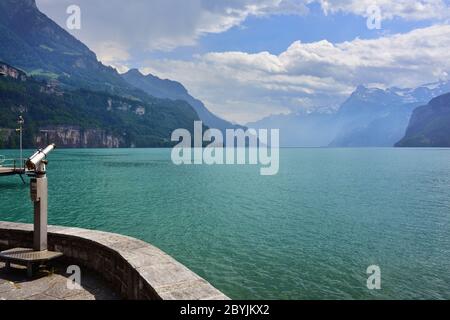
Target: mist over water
309,232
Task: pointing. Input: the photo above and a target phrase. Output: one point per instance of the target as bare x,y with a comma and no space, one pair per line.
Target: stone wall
135,269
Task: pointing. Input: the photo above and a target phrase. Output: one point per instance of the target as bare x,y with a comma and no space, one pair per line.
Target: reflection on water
13,185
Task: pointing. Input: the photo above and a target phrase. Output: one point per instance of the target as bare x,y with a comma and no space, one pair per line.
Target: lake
309,232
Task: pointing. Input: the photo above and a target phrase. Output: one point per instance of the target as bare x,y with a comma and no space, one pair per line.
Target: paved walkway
51,284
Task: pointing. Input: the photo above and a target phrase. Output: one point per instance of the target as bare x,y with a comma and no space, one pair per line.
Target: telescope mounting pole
39,195
35,167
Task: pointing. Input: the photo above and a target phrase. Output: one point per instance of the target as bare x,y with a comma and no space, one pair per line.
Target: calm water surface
308,233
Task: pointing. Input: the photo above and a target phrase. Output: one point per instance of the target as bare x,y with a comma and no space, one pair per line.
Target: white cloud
405,9
114,54
161,24
142,25
245,87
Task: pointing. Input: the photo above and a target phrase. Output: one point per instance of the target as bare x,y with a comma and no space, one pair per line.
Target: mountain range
32,42
84,118
46,53
370,117
68,96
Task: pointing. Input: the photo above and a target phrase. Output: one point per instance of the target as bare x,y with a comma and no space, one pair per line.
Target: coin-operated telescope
36,166
39,254
37,161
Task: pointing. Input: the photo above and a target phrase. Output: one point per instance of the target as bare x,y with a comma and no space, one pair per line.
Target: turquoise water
308,233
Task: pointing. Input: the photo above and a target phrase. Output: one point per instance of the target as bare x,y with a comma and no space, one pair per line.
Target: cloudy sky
247,59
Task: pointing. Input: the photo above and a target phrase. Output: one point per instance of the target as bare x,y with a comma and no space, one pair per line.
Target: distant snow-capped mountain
423,93
370,117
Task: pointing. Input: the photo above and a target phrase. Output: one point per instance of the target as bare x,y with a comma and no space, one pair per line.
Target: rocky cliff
83,118
65,137
8,71
429,125
77,137
7,138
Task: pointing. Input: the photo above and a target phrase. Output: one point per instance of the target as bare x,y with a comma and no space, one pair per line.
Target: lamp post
21,122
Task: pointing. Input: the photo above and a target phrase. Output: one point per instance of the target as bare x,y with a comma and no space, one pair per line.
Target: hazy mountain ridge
169,89
373,117
300,129
370,117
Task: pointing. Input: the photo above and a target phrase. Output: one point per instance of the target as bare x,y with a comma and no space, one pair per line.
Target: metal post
39,195
21,122
21,150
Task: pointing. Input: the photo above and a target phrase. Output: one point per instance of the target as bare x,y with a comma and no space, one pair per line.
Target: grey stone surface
51,284
17,226
191,290
167,274
135,269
